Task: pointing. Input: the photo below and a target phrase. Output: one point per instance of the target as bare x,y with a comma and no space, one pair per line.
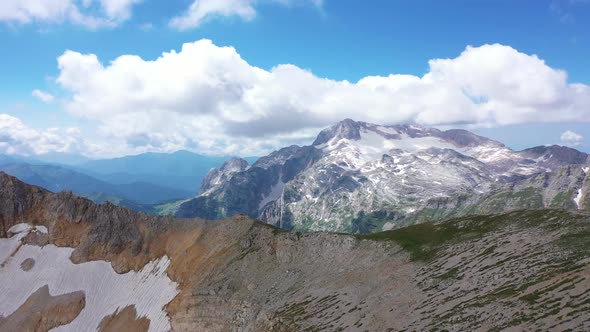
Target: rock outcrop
124,320
43,312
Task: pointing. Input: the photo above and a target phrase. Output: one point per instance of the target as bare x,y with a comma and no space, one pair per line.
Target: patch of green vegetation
563,200
531,298
304,225
528,198
507,292
518,320
577,242
444,208
369,222
424,240
297,314
420,240
430,214
293,310
450,274
487,252
168,208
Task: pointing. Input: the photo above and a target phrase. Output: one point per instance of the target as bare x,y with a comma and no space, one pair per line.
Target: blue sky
336,40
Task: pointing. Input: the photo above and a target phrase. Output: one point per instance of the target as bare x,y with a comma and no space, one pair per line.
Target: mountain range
56,179
447,230
181,170
146,182
69,264
360,177
355,177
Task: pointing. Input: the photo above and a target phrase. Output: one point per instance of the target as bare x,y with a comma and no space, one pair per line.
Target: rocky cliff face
523,270
238,194
356,170
567,187
217,177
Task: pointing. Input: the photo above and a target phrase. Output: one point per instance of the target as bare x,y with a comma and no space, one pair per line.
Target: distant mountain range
56,179
182,170
362,177
138,182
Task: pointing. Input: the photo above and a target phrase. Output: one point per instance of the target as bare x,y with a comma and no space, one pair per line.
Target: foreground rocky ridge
359,177
524,270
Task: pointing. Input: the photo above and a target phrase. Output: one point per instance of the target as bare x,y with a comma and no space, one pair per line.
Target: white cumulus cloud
43,96
207,98
200,10
18,138
571,138
117,9
80,12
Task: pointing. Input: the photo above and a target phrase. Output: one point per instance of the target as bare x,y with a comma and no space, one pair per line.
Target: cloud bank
18,138
207,98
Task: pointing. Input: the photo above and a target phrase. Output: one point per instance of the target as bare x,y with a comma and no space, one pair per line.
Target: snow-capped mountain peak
354,168
364,142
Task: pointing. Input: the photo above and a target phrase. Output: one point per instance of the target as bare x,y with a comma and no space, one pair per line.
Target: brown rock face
124,320
43,312
17,198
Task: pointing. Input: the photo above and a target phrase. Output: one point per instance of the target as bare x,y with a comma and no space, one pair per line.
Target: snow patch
387,130
25,228
488,153
372,146
7,247
19,228
585,170
578,198
388,226
149,290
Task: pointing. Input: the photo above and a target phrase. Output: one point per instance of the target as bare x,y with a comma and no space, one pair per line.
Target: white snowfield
373,145
149,290
578,198
409,155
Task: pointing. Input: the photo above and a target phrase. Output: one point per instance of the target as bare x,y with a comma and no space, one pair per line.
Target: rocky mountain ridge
394,173
524,270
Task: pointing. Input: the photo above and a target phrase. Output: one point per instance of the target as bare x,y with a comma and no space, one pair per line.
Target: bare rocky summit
524,270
